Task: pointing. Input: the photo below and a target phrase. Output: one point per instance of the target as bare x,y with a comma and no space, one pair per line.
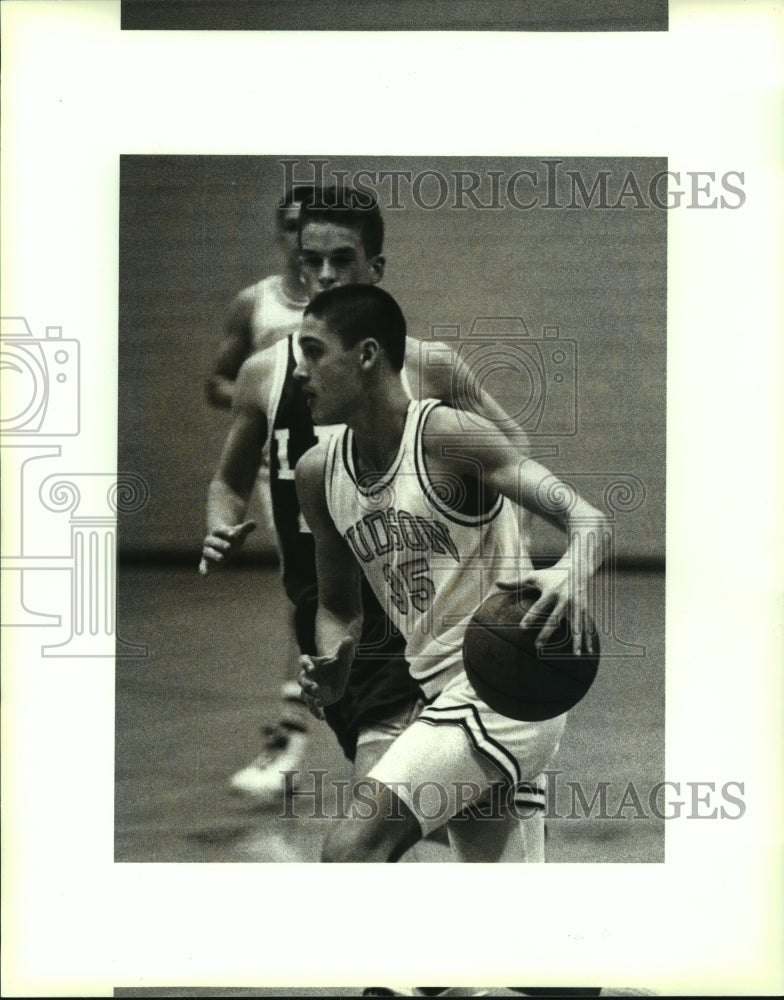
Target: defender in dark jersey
340,246
380,682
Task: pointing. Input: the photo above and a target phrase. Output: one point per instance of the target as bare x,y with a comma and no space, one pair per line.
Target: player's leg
454,756
382,828
498,830
383,825
372,743
375,738
379,702
284,740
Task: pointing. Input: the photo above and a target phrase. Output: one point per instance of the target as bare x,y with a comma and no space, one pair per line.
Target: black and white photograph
532,298
389,432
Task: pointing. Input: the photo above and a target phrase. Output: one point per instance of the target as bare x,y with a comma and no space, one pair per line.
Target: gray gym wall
195,230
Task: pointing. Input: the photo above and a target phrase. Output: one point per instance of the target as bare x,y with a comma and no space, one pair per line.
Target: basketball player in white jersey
405,497
338,246
265,311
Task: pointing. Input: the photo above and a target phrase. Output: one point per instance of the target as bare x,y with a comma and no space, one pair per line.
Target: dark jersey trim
492,751
464,520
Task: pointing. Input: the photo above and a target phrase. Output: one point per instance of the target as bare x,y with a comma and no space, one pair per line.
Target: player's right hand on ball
323,679
222,542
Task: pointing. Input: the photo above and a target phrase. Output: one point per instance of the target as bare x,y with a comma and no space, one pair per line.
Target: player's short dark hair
295,194
344,206
354,312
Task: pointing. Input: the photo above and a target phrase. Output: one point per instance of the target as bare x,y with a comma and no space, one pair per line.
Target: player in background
341,241
265,311
261,315
404,498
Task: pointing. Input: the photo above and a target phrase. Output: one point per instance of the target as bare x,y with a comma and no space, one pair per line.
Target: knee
382,838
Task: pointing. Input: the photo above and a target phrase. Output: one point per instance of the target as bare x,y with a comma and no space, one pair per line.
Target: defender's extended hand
221,542
323,679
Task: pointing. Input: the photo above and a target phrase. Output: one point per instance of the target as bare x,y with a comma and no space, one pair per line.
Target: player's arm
453,382
566,588
231,487
234,348
323,678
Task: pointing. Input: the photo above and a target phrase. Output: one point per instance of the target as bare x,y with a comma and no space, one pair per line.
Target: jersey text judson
429,561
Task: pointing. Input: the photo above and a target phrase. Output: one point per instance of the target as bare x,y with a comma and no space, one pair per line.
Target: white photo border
708,95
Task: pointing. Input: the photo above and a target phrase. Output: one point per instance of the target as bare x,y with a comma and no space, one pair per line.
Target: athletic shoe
283,750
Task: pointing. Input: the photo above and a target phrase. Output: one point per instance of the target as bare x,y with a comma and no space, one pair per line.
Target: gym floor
188,716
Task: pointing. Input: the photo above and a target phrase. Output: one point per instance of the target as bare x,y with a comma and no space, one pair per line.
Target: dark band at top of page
395,15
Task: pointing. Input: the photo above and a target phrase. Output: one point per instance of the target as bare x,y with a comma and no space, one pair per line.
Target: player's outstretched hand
221,542
558,599
323,679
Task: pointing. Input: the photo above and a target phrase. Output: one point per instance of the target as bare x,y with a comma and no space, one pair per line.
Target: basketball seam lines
484,682
551,662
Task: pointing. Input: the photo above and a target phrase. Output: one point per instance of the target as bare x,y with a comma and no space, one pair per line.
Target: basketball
507,671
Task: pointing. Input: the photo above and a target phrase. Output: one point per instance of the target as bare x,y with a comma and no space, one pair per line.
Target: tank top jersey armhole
340,454
458,517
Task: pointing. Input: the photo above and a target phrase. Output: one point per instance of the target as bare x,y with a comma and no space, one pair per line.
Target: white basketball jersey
275,315
429,564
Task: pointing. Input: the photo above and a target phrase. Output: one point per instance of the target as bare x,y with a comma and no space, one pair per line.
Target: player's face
328,372
333,255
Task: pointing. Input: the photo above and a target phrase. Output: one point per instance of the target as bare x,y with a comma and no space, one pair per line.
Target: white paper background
76,93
